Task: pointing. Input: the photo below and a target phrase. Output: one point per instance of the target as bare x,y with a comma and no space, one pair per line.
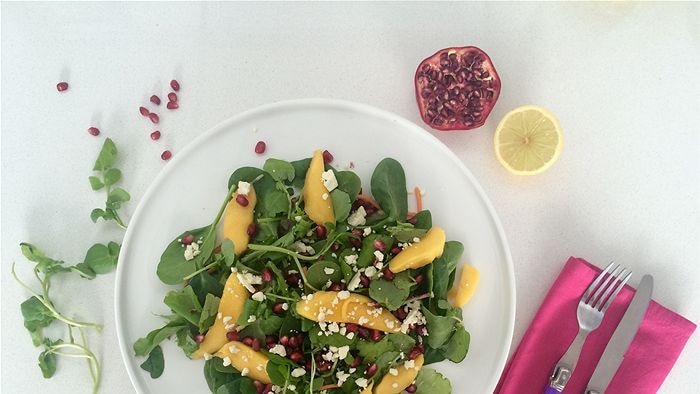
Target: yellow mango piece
246,360
237,218
320,210
356,308
391,384
368,389
420,253
230,309
463,290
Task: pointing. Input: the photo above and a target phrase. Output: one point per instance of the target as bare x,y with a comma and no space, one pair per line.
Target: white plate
190,189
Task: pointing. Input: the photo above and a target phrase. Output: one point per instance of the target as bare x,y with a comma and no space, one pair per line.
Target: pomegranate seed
294,342
248,341
388,275
166,155
293,279
364,280
62,86
355,362
396,250
144,111
252,229
320,231
268,389
418,278
154,117
270,339
266,275
413,220
232,335
364,333
376,335
300,339
277,308
357,232
325,366
297,356
199,338
371,370
335,247
172,105
187,239
411,389
327,156
260,147
355,242
242,200
379,244
155,135
155,100
175,85
415,352
351,327
172,96
94,131
336,287
259,386
284,340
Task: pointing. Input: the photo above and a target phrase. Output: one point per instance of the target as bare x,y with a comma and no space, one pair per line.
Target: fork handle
565,367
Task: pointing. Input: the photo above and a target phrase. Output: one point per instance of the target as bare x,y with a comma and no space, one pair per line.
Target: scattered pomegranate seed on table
155,135
175,85
327,156
173,105
144,111
166,155
260,147
155,100
154,117
172,96
94,131
62,86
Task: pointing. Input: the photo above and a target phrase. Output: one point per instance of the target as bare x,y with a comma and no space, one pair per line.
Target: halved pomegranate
456,88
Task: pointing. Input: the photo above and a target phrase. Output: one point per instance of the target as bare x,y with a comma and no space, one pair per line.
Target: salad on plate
305,283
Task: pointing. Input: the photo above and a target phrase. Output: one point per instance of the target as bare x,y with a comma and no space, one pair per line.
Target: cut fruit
528,140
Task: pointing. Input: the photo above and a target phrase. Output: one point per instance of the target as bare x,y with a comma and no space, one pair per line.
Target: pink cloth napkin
660,339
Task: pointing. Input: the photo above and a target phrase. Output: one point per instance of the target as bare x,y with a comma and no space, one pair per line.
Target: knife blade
622,337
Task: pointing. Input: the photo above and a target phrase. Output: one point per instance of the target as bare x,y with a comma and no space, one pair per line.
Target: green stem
199,271
279,297
85,353
303,275
212,229
95,378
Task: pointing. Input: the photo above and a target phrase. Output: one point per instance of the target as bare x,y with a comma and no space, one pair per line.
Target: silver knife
621,339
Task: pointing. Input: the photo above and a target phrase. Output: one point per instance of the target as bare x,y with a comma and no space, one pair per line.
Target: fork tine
613,285
595,298
594,284
615,293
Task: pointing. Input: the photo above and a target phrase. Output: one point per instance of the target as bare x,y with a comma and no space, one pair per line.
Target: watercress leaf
424,219
274,202
443,267
209,311
430,381
249,308
155,363
385,359
114,249
216,378
184,303
112,176
366,255
270,324
84,270
406,234
322,271
457,347
246,174
107,156
229,388
433,356
47,363
341,205
173,266
279,169
96,214
31,252
143,346
96,183
300,168
204,284
36,316
290,324
227,250
349,182
440,328
278,373
99,259
388,294
372,350
388,184
402,342
186,342
116,197
444,304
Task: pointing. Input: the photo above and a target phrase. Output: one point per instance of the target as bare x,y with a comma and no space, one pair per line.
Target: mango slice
237,218
420,253
332,306
230,309
391,384
246,360
464,289
320,210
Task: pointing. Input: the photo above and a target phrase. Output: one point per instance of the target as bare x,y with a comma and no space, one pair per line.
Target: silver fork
591,309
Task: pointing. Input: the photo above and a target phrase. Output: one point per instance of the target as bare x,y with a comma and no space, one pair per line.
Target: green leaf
100,259
184,303
424,220
228,251
402,342
443,269
279,169
84,270
173,267
216,378
246,174
112,176
47,361
270,324
96,214
209,311
430,381
366,255
341,205
373,350
439,328
279,374
96,183
300,169
36,316
186,342
143,346
31,252
388,293
107,156
334,339
44,264
388,185
116,197
204,284
349,182
457,347
406,234
155,363
322,271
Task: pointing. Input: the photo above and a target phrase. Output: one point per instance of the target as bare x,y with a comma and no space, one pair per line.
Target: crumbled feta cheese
354,282
324,196
357,218
191,251
279,350
342,377
343,294
297,218
243,188
233,349
251,318
410,364
350,335
245,372
226,319
379,255
260,367
248,280
329,181
226,361
328,271
367,231
343,352
370,271
361,382
416,239
395,385
292,387
363,320
285,306
394,371
415,316
351,259
301,247
219,315
298,372
207,356
258,296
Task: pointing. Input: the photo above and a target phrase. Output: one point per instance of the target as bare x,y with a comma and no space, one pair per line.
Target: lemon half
528,140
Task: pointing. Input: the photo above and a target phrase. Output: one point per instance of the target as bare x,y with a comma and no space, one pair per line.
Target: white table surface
622,78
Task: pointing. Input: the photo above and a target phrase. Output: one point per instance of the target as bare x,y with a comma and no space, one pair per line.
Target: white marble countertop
622,78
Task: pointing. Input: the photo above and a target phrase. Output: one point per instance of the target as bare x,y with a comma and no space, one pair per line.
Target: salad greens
290,260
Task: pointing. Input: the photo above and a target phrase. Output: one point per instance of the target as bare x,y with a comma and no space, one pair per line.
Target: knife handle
551,390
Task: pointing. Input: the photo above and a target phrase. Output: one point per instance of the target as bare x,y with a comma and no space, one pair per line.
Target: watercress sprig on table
39,311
